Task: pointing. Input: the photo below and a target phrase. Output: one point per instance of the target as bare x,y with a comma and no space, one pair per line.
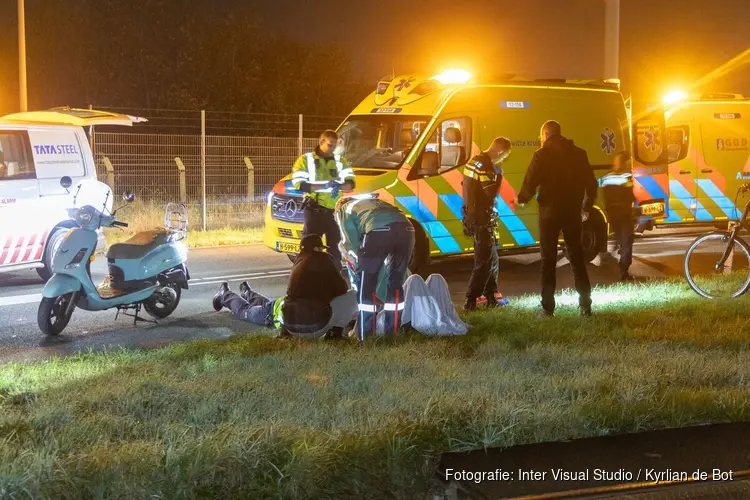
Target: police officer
617,188
376,234
481,182
567,190
322,175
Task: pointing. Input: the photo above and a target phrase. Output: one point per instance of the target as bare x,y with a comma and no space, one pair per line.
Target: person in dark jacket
567,190
618,201
313,283
481,182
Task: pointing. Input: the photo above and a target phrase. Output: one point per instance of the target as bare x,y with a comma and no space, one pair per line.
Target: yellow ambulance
709,150
408,140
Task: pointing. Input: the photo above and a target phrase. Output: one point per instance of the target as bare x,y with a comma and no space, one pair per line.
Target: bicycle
717,264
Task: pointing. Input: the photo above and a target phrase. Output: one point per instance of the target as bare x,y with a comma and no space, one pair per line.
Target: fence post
299,138
110,173
203,165
250,179
183,188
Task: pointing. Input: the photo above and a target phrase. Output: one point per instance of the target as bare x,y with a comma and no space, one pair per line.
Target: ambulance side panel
595,120
712,162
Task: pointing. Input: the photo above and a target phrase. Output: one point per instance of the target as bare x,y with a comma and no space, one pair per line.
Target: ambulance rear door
650,164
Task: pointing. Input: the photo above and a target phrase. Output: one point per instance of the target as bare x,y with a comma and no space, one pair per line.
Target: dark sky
663,43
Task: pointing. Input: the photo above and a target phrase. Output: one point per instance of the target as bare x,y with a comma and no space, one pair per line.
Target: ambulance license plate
655,209
287,247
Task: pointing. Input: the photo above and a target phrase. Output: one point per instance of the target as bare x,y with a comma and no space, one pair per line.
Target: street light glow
674,96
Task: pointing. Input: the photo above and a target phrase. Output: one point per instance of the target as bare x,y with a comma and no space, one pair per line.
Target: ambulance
709,150
37,149
408,140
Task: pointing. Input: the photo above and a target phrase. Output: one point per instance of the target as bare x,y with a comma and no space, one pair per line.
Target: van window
678,142
15,161
452,141
380,141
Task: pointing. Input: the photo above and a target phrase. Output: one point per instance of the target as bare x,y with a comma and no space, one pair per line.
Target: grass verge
256,417
227,224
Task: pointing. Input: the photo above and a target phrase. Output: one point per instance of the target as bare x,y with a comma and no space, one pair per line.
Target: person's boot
245,290
224,288
470,304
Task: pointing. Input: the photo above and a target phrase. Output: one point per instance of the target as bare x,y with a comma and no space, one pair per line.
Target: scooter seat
138,245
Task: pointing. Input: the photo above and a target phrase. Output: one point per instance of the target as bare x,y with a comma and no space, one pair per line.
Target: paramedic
481,182
322,175
376,234
567,190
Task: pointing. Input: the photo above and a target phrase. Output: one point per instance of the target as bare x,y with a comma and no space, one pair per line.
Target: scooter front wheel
55,312
164,301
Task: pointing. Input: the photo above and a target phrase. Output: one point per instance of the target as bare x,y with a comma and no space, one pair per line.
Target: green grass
236,224
257,417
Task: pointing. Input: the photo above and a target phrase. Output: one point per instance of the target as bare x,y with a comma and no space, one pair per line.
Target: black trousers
622,229
320,220
550,229
483,279
390,247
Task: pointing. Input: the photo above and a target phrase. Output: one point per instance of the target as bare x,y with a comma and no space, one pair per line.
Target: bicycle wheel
701,261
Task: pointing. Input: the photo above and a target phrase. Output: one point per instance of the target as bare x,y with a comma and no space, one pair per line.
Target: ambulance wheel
420,255
593,237
164,301
53,243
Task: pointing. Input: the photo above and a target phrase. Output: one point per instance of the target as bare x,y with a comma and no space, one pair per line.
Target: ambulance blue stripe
437,231
684,196
652,187
289,188
713,192
455,203
514,224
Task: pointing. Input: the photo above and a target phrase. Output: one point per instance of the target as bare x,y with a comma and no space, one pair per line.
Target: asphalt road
656,255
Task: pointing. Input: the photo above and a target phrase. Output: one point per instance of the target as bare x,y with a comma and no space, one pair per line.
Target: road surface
267,271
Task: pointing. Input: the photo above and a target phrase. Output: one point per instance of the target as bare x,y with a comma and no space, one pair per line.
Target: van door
439,188
58,152
725,138
19,193
650,166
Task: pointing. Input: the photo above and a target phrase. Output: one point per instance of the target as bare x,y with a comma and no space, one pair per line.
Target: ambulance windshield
380,141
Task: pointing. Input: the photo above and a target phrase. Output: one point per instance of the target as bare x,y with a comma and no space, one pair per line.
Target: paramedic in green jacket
322,175
376,234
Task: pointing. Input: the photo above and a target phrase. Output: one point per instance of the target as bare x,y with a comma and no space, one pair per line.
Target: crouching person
317,299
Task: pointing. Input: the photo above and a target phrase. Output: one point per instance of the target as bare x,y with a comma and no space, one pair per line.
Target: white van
37,149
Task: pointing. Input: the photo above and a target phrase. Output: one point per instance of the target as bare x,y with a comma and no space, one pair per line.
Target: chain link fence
215,170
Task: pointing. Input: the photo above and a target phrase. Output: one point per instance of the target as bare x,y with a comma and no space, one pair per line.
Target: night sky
663,43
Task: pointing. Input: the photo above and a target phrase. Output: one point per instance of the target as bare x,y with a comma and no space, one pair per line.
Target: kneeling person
378,234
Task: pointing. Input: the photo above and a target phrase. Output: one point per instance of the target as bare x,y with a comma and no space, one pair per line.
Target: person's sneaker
585,311
544,314
245,290
224,288
470,305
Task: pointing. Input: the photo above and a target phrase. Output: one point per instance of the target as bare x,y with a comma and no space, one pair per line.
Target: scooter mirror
128,196
66,182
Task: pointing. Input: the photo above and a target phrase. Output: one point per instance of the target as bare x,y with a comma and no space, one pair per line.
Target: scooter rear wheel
55,313
164,301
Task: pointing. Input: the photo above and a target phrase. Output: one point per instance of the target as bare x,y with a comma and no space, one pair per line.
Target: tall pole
22,56
611,38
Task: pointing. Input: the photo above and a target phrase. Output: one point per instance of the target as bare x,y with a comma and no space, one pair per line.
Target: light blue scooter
147,271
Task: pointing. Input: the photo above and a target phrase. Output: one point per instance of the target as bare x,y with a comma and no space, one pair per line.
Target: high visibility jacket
318,171
481,183
278,315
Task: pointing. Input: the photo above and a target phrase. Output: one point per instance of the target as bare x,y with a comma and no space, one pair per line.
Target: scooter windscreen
94,193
